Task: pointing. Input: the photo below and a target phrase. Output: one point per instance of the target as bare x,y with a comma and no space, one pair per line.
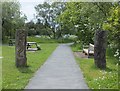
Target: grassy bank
17,78
96,78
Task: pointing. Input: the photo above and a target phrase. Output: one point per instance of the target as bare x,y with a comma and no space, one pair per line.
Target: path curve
60,71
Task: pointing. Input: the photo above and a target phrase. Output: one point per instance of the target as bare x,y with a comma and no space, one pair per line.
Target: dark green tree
47,14
11,19
88,17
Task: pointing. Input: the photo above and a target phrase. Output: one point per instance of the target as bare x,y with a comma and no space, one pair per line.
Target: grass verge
96,78
17,78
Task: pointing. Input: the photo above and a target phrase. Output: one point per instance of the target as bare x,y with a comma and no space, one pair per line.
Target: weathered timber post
100,49
20,48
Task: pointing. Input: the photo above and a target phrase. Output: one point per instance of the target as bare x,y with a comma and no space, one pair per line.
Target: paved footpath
60,71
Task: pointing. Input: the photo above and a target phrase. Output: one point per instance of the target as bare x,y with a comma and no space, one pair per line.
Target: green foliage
42,39
17,78
11,19
113,25
77,47
84,18
46,14
45,39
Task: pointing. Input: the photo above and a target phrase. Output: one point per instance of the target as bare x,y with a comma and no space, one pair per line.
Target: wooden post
20,48
100,49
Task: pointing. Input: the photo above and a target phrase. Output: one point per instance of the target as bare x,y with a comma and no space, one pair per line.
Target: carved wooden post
20,48
100,49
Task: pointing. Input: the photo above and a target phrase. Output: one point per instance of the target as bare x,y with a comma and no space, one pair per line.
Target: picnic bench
88,50
11,42
29,46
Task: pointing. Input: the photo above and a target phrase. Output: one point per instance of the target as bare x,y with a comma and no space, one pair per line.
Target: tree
11,19
113,25
30,27
47,14
87,16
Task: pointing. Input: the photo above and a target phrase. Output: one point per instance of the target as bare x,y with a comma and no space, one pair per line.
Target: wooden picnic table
11,42
29,44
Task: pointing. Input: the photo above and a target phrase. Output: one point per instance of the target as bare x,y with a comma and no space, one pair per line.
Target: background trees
11,19
46,14
58,19
85,18
113,25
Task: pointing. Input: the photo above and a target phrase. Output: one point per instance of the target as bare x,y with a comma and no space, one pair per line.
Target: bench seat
32,49
86,51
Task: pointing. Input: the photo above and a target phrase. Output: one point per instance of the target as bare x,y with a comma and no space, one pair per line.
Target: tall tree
47,13
86,16
11,18
113,25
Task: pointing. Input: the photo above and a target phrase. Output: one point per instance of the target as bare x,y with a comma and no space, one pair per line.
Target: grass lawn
17,78
96,78
46,40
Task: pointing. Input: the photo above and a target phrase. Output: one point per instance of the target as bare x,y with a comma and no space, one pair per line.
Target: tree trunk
100,49
20,48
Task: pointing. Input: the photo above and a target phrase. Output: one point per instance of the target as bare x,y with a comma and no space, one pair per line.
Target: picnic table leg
38,48
28,46
36,44
88,53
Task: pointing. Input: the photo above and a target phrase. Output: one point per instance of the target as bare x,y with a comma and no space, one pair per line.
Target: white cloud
27,7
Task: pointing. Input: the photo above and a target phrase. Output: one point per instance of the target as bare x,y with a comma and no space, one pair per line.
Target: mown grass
76,47
17,78
96,78
47,40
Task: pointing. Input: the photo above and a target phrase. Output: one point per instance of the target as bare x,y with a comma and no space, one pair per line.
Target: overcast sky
27,7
